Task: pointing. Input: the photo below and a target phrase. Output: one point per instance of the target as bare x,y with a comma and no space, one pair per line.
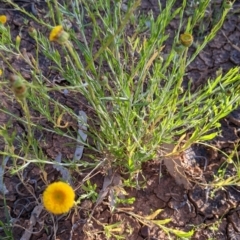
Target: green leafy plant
90,190
6,226
223,178
141,107
139,102
130,73
7,230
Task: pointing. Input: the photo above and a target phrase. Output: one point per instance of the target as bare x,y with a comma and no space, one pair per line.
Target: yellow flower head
3,19
58,35
58,198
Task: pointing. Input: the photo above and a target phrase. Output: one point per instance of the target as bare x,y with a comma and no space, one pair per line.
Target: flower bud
227,4
186,39
18,40
18,86
104,80
32,32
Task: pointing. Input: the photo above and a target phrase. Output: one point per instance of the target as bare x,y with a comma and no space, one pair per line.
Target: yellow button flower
3,19
58,198
58,35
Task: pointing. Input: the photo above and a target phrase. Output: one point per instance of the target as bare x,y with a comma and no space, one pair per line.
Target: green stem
58,15
82,70
25,108
74,56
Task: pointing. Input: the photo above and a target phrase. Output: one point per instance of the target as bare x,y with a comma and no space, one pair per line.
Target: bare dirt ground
217,215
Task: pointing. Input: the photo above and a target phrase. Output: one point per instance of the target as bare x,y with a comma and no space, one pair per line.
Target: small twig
233,45
91,172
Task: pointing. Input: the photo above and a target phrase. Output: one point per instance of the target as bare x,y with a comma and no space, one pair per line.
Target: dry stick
234,46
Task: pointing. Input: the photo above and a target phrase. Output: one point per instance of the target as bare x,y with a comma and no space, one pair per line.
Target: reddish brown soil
215,215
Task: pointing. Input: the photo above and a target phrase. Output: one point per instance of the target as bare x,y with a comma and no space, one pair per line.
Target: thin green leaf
162,222
183,234
153,215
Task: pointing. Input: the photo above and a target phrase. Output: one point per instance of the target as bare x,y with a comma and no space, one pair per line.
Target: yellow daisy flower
1,72
58,35
3,19
58,198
